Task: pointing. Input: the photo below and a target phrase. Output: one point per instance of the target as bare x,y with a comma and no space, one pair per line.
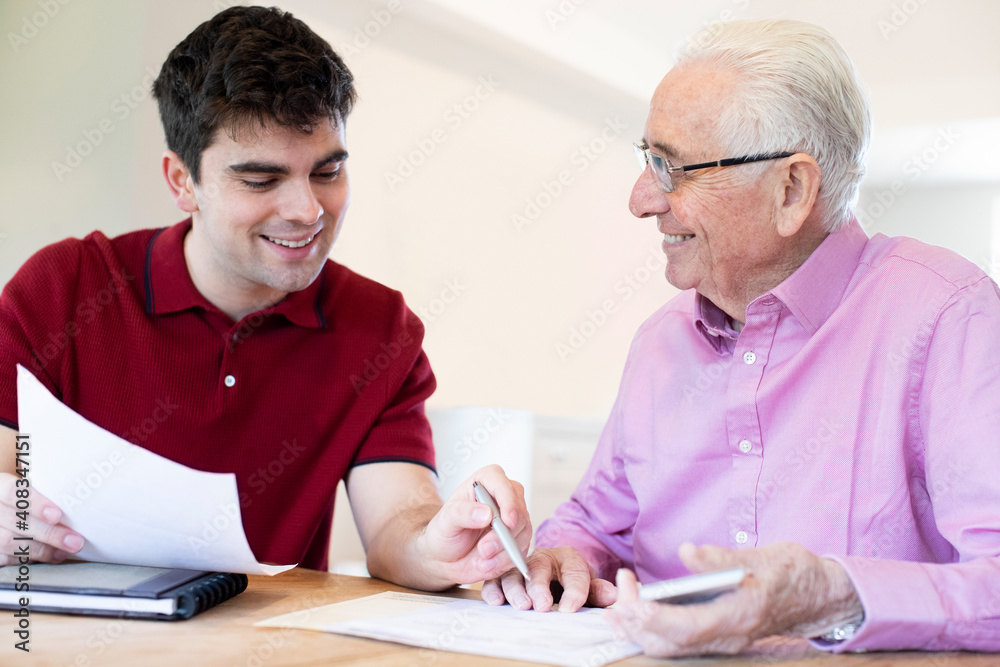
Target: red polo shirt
288,398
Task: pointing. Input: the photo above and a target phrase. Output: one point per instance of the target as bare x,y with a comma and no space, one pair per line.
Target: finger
43,534
489,545
42,519
493,553
523,536
541,571
37,553
508,494
513,589
492,592
491,568
575,576
602,593
40,505
628,586
12,489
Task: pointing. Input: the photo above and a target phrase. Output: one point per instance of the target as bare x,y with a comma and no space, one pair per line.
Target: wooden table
225,636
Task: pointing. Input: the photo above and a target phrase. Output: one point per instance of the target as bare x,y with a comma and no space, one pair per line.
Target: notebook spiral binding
205,593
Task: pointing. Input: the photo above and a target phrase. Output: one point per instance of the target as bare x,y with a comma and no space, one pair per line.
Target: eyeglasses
663,169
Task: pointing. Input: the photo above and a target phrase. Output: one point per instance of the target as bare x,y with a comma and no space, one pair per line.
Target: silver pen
506,539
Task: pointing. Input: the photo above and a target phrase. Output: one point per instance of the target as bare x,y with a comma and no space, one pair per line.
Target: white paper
132,506
469,626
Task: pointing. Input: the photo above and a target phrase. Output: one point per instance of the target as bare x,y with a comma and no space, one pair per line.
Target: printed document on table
468,626
132,506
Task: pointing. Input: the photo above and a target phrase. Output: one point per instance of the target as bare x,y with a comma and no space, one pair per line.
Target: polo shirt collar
811,293
169,288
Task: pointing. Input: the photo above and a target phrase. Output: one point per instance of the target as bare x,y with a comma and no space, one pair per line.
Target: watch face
841,633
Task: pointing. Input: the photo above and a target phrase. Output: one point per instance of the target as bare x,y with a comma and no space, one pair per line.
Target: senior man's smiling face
718,223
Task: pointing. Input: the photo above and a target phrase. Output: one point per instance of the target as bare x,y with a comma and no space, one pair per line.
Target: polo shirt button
749,358
746,446
230,380
741,537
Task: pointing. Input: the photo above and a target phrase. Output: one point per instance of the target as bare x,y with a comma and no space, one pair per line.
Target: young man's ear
180,182
800,188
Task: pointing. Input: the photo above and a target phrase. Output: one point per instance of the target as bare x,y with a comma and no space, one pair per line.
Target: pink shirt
857,413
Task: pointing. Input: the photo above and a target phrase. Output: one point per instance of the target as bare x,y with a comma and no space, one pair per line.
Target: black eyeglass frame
646,157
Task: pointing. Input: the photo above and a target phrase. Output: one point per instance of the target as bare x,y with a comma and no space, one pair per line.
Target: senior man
819,407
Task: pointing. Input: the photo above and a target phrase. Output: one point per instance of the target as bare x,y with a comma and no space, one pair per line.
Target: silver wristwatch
842,633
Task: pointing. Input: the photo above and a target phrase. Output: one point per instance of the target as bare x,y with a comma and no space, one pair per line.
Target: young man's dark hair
245,68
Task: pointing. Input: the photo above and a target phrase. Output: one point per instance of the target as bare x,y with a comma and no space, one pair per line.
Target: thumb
457,516
628,587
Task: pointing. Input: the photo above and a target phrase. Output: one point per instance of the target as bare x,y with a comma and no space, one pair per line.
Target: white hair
797,91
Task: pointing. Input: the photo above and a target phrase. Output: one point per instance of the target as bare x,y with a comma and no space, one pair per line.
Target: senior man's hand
563,566
788,591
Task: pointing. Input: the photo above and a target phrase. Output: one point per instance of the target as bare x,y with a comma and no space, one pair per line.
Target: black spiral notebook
129,591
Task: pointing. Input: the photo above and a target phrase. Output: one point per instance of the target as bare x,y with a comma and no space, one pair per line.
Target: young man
234,319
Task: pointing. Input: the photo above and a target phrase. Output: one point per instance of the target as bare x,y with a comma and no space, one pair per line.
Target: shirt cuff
902,607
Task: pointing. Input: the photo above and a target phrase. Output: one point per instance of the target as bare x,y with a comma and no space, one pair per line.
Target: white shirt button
741,537
746,446
230,380
749,358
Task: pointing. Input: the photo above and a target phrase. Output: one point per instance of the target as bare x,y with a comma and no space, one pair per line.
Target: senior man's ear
799,189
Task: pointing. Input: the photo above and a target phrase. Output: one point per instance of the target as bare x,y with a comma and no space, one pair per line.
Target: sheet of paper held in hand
468,626
132,506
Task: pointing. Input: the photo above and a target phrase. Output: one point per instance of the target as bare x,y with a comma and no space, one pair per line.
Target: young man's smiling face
266,213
